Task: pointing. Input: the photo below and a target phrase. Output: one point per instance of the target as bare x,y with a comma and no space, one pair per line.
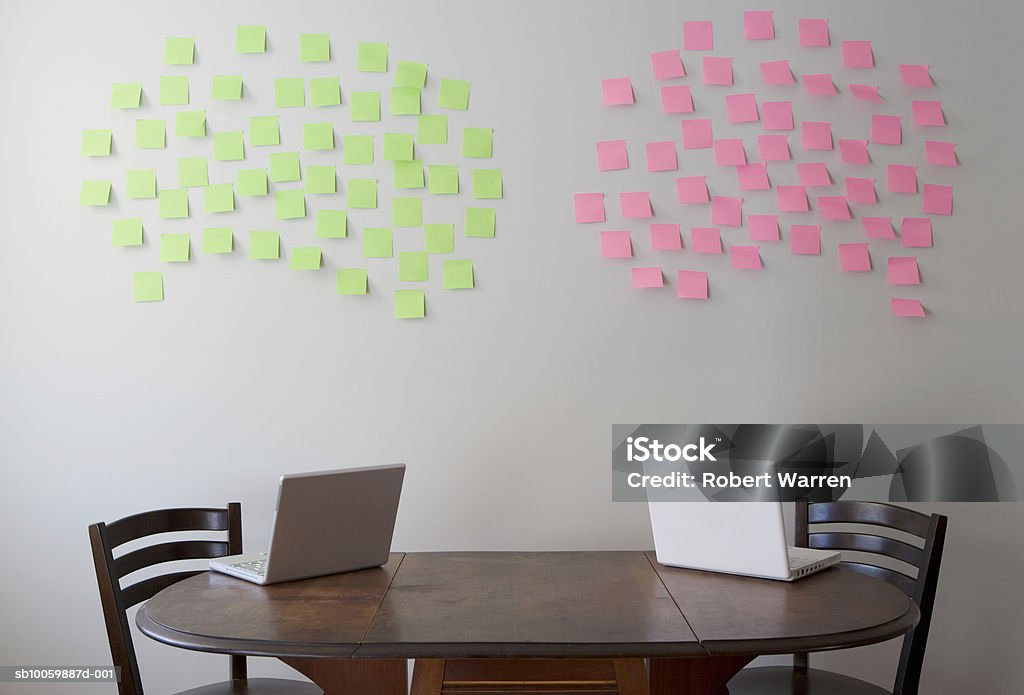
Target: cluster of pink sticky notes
617,91
729,152
813,32
741,108
727,211
697,134
901,178
611,155
916,232
866,92
745,257
903,270
861,190
616,244
758,25
763,227
753,176
692,190
666,237
813,174
907,307
816,135
854,258
698,36
854,151
886,129
777,72
916,76
792,198
644,278
635,205
661,156
878,227
805,239
940,153
820,85
667,65
773,148
692,284
589,207
676,98
857,54
778,115
927,113
937,199
833,207
718,71
706,240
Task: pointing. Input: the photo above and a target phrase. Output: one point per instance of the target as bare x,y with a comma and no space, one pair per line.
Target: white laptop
746,538
325,522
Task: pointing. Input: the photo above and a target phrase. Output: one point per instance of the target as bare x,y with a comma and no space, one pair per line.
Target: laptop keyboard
257,567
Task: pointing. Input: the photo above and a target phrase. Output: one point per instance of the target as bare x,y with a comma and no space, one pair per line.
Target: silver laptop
325,522
746,538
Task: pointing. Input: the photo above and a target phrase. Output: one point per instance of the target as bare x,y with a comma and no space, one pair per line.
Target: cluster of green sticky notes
477,142
284,166
228,146
314,48
126,95
432,130
218,240
406,212
410,304
193,172
411,74
318,136
331,224
148,287
362,193
227,87
321,179
405,101
351,281
219,197
439,238
251,39
413,266
173,90
289,92
365,106
372,57
96,143
264,246
127,232
252,182
397,147
172,203
94,192
264,130
487,183
480,222
190,124
305,258
290,204
175,248
141,183
150,133
454,94
409,174
324,91
179,51
458,275
443,179
357,149
377,242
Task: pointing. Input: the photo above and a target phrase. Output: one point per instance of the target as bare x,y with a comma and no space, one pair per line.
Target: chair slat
870,513
168,552
867,543
148,588
165,521
901,581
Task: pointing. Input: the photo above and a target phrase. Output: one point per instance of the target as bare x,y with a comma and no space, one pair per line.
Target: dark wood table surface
352,632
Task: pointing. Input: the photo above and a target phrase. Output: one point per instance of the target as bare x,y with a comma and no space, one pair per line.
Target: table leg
354,676
696,676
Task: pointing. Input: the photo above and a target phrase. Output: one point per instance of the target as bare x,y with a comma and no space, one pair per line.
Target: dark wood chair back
116,600
930,532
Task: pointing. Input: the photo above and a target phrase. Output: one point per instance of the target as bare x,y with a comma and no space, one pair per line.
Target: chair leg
631,677
427,677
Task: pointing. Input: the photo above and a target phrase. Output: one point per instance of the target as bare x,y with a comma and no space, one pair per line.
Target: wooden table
351,633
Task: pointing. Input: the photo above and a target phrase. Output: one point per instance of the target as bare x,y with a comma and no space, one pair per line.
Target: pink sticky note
758,25
718,71
773,148
616,245
942,154
589,207
611,155
902,178
854,151
813,32
745,257
866,92
727,211
937,200
857,54
676,98
916,76
661,156
903,270
907,307
878,227
693,284
617,92
697,134
805,239
692,190
854,258
665,237
916,232
667,64
698,36
817,135
706,240
742,108
777,72
647,277
886,130
778,115
821,85
753,177
635,204
928,112
792,198
833,207
813,174
763,227
861,190
729,152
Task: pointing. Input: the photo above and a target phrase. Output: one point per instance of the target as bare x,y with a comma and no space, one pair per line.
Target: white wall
501,402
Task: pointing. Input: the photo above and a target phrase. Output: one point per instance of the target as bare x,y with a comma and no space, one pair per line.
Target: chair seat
782,680
256,686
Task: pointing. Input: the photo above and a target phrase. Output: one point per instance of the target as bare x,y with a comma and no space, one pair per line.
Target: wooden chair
522,676
116,601
800,680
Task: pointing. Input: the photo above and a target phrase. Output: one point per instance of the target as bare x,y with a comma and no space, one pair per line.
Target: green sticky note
398,147
141,183
289,92
357,149
305,258
252,182
409,174
405,101
410,74
228,147
318,136
432,130
480,222
409,304
373,57
175,248
314,48
218,240
321,179
172,204
377,242
366,106
227,87
126,95
284,166
94,193
148,287
324,91
477,142
173,90
150,133
251,39
96,143
412,266
264,246
362,193
264,130
458,275
219,197
190,124
443,179
192,172
439,238
454,94
351,281
289,205
179,51
331,224
487,183
127,232
406,212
